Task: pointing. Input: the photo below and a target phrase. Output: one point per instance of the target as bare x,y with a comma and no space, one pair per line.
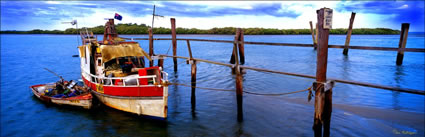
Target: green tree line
133,28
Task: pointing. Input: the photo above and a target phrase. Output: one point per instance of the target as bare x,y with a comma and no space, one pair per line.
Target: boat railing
164,76
108,81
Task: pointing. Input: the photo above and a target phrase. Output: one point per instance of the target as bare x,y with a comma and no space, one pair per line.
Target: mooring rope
168,50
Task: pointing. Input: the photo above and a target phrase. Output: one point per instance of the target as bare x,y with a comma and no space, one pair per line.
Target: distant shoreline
143,29
195,34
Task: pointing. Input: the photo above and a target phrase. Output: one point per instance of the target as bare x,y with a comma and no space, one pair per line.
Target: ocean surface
358,111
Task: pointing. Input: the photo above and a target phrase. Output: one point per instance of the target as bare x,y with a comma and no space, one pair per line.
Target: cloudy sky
48,15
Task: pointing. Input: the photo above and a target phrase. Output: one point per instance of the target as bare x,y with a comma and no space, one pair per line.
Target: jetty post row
322,85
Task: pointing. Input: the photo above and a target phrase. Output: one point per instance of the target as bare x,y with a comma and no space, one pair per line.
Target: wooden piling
241,47
323,99
235,42
174,41
193,80
317,36
188,48
239,87
193,76
402,43
150,46
312,34
350,29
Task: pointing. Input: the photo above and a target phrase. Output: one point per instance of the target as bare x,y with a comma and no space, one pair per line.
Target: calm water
23,58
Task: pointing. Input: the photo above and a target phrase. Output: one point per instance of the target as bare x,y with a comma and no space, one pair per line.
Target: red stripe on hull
128,91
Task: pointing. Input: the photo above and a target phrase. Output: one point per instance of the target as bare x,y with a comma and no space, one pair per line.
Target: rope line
168,50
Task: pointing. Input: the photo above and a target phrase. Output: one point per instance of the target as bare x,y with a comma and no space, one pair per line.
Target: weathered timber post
174,41
239,87
312,35
350,29
188,48
193,80
236,40
317,36
193,76
241,47
150,46
323,99
402,42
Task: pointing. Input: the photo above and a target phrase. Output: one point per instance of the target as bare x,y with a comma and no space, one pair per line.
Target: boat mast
153,16
74,22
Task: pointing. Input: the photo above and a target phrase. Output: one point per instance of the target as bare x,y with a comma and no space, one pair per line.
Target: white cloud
305,9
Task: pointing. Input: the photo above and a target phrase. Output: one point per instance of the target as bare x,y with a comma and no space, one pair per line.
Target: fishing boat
114,70
68,94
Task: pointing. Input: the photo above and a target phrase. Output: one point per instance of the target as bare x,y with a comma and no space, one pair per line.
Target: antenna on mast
153,16
74,22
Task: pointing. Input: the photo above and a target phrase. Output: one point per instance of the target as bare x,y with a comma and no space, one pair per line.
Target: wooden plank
299,45
406,90
402,43
350,29
174,41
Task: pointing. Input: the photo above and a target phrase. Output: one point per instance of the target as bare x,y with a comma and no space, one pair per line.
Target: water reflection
346,65
174,97
238,128
398,78
110,121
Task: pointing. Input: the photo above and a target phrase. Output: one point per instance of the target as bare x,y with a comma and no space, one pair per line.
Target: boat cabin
114,61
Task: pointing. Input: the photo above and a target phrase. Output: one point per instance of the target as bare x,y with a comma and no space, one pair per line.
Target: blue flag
118,16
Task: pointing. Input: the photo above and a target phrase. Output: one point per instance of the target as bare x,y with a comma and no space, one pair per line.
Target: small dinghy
64,93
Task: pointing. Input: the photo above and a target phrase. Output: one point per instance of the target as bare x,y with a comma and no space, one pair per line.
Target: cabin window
99,62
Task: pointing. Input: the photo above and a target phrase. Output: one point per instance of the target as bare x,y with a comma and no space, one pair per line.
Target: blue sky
48,15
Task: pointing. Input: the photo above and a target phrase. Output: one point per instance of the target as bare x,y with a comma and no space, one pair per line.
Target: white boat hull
149,106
